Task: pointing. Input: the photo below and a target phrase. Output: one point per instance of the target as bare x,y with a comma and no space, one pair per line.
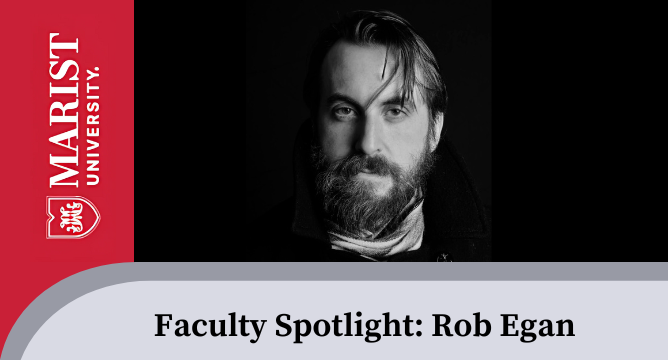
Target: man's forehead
345,58
359,71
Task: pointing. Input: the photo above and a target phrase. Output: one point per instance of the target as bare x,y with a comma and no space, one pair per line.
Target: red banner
68,142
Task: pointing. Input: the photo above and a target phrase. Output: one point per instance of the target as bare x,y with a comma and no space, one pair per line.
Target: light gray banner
55,298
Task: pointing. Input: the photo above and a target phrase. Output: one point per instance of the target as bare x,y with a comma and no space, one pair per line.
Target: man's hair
388,29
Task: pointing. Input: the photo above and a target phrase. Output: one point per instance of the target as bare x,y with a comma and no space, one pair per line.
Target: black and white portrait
368,134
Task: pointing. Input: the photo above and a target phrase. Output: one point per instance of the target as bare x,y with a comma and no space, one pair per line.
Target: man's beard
353,203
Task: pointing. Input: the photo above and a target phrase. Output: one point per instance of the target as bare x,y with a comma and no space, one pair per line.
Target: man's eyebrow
340,97
394,100
397,100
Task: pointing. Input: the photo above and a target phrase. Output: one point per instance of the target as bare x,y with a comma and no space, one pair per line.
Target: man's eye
396,112
344,112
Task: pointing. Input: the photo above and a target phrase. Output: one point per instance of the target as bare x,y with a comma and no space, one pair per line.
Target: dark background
574,158
278,40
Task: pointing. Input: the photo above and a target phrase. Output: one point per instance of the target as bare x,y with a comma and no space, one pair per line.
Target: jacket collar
452,206
307,220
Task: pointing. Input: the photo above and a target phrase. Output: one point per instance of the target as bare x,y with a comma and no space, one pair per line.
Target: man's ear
433,142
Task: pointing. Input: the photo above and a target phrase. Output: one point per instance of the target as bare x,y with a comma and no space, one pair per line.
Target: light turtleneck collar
389,240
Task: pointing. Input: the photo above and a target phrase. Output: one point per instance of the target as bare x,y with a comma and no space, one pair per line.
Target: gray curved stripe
77,285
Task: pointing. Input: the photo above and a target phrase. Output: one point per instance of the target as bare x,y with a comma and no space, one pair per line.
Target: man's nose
368,140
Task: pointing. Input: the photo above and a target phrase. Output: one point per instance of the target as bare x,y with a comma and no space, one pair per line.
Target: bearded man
375,180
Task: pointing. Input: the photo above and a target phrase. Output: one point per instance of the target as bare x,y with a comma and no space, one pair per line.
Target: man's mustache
356,163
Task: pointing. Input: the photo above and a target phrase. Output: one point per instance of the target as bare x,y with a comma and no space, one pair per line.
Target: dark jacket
457,227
